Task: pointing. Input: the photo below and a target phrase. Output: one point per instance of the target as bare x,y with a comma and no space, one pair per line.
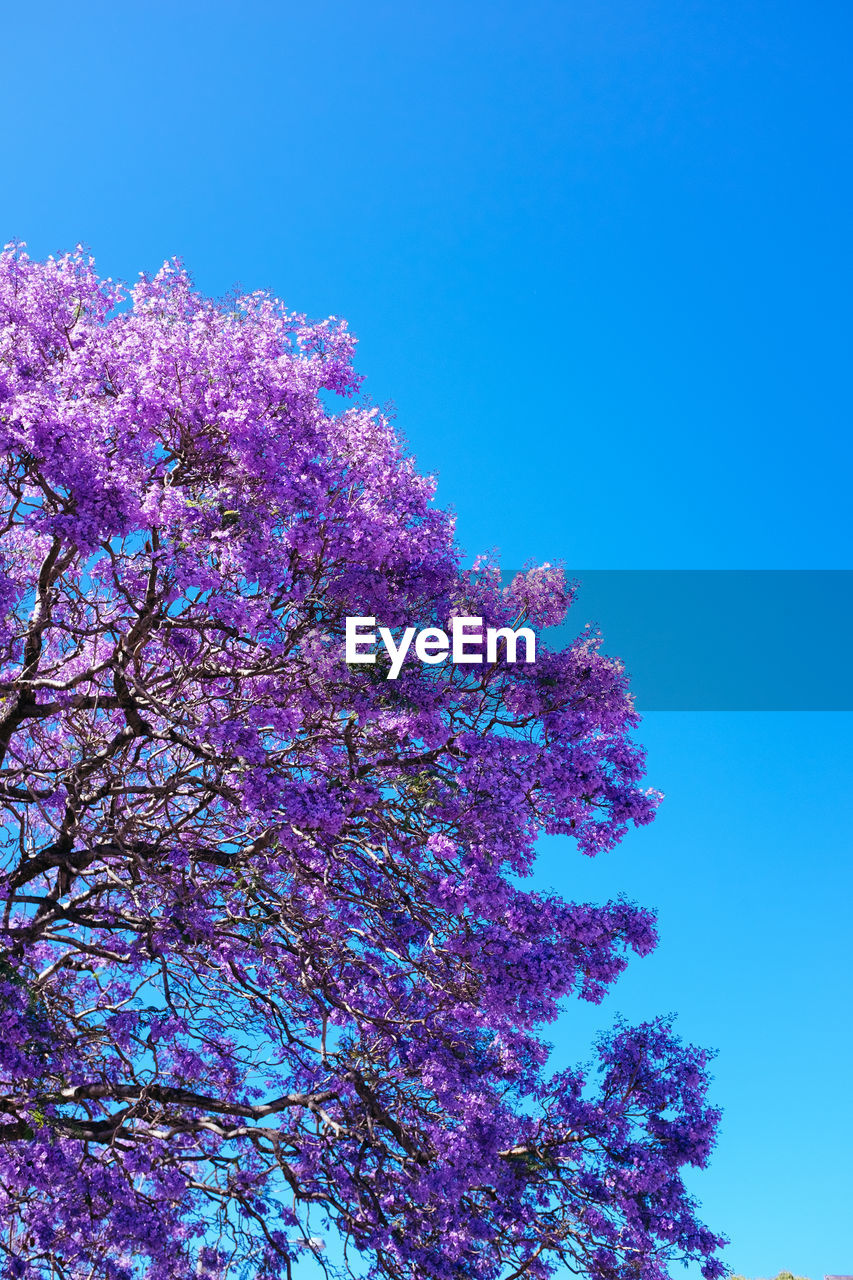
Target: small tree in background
783,1275
266,958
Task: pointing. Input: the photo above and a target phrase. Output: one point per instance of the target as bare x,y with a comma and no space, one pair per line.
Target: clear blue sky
598,255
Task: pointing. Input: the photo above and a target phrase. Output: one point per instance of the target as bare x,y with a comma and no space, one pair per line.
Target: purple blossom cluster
267,965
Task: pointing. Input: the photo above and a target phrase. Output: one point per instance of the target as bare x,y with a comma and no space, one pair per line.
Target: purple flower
267,953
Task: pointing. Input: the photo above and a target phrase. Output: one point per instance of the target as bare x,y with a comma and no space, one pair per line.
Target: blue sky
597,254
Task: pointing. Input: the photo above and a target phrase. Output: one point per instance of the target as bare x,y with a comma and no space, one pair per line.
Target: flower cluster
268,963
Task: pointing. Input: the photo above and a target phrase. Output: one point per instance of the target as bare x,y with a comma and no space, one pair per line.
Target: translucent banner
722,640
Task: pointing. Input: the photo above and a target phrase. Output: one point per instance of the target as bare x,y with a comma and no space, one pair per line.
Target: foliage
267,957
783,1275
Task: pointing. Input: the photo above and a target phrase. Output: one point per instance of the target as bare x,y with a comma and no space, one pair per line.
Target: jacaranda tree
268,967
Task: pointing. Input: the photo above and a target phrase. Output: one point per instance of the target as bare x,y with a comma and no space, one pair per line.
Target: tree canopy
268,957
